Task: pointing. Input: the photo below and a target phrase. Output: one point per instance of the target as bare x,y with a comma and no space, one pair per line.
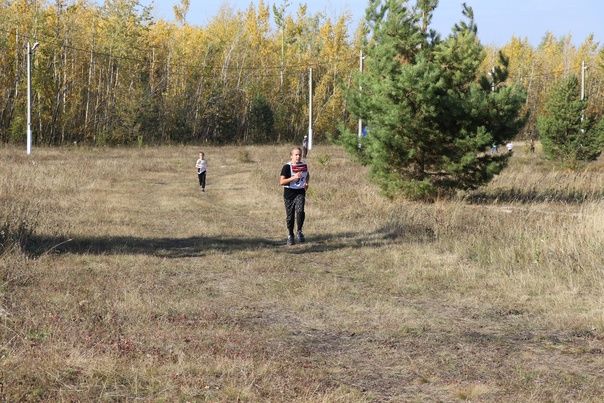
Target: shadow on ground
199,245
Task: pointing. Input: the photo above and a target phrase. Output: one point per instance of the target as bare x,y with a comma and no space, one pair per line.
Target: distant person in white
202,167
304,147
509,146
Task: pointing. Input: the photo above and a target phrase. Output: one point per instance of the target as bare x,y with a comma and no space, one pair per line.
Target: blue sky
497,20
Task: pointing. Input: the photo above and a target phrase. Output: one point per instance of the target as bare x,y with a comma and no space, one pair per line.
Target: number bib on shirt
300,183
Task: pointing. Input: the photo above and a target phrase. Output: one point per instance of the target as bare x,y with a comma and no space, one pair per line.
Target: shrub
17,224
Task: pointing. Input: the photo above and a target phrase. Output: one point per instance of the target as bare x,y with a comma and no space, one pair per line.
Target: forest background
112,74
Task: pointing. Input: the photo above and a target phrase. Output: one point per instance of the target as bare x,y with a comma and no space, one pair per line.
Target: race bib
300,183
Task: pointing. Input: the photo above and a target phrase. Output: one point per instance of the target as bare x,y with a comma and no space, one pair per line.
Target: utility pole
30,51
310,110
360,133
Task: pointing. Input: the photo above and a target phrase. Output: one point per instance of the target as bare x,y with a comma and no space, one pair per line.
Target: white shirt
201,165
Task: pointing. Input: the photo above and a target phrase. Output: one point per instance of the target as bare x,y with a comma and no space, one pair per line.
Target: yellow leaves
160,32
521,57
118,57
257,27
181,10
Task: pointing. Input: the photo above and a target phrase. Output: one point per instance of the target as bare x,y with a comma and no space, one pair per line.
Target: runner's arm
286,181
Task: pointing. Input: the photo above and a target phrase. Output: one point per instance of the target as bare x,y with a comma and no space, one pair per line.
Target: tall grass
533,179
18,211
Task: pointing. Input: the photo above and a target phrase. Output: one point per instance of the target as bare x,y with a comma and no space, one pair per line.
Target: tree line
112,74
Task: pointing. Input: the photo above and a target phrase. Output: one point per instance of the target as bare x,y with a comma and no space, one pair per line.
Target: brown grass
135,285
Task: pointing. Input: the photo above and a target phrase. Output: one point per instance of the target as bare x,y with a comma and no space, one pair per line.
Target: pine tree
430,115
566,133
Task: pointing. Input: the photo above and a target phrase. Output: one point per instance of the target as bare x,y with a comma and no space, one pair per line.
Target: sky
497,20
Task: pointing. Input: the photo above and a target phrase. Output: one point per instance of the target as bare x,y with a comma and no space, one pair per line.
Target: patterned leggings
294,208
202,179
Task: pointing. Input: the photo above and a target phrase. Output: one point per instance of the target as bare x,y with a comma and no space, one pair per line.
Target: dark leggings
294,209
202,179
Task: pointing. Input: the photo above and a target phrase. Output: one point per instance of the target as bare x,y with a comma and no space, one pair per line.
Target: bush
244,157
17,129
17,224
323,159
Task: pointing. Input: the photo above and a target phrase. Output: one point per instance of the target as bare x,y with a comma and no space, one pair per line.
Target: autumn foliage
112,74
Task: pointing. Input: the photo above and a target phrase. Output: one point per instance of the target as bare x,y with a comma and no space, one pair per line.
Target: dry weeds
135,285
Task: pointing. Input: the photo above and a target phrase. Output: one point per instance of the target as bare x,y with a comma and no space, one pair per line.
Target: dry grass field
120,280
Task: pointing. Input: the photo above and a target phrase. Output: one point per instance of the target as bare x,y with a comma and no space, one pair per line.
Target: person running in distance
202,166
509,146
304,147
294,179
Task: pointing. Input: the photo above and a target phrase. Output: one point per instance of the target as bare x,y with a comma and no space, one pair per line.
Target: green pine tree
430,114
565,135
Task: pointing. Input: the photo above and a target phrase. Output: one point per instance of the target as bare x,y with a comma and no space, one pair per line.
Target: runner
294,179
202,167
304,147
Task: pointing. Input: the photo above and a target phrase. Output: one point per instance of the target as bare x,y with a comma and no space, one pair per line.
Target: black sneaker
301,237
290,240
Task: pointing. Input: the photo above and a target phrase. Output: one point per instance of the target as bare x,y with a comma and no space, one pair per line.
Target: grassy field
120,280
